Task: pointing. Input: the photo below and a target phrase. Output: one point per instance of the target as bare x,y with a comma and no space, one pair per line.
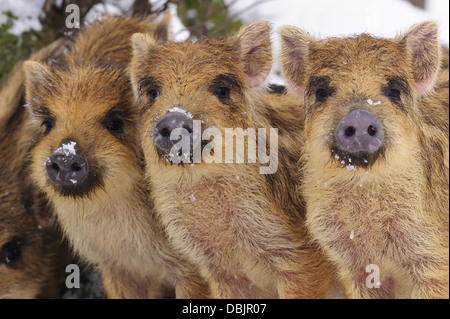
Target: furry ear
37,79
162,32
295,48
35,72
423,48
141,43
255,51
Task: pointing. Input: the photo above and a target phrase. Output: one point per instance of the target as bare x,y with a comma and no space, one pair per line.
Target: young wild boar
240,226
32,253
88,161
375,159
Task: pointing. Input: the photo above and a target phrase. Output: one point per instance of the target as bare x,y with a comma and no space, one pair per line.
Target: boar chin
360,159
92,183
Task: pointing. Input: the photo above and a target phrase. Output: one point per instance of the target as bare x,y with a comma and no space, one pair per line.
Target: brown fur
42,254
229,219
110,222
394,212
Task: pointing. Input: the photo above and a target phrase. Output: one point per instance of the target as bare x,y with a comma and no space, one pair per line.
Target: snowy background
322,18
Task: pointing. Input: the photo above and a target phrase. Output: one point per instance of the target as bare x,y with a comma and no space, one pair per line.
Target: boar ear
255,51
141,43
35,73
423,48
162,31
37,78
295,48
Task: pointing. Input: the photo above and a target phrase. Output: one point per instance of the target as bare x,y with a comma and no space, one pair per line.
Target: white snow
99,10
323,18
180,110
373,103
67,149
27,13
352,234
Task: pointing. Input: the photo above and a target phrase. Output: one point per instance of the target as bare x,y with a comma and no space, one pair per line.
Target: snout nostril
76,167
165,132
372,130
350,131
55,167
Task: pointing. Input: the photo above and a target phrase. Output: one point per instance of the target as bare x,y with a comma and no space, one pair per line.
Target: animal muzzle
166,126
359,132
67,166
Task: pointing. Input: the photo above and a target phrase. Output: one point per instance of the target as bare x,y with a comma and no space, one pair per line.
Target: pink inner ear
255,80
422,86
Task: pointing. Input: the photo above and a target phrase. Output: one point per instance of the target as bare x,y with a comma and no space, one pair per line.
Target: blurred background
26,26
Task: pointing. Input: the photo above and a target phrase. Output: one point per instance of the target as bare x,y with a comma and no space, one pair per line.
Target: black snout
360,131
67,166
169,122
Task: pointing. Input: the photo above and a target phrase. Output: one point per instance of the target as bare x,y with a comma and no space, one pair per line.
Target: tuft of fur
108,219
392,212
243,229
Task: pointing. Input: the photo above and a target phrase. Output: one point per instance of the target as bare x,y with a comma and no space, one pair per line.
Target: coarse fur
108,218
227,218
392,209
32,252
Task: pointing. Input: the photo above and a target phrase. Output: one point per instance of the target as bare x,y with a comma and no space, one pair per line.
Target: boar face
205,80
24,264
360,92
87,142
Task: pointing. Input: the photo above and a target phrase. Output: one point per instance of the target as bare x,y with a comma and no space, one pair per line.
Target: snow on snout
371,102
180,110
67,149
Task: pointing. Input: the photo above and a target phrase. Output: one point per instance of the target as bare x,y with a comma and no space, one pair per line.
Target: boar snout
67,166
360,131
169,122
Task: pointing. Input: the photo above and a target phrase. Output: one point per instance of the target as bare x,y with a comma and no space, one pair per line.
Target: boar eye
47,125
322,94
115,126
222,92
393,94
153,94
11,252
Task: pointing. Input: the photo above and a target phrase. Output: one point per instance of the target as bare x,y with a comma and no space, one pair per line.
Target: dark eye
222,92
115,126
393,93
47,125
322,94
11,251
153,94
